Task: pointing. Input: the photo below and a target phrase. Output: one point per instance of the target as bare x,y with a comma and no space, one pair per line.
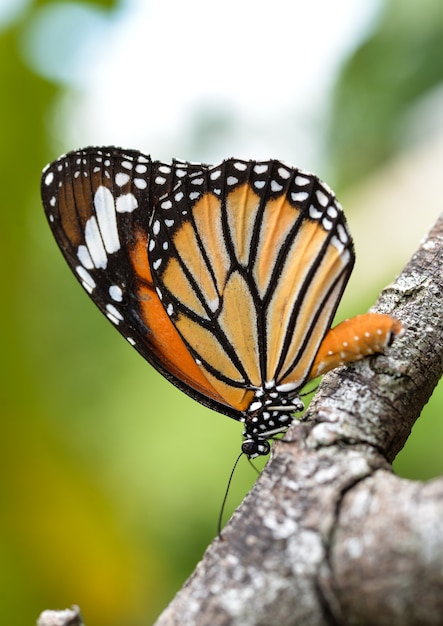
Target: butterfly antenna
225,497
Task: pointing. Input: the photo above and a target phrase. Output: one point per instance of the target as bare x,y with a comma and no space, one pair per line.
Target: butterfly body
226,278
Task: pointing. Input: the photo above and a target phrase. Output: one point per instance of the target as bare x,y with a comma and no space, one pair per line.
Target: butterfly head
270,413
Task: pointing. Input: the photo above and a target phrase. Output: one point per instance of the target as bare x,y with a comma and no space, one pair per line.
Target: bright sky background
252,76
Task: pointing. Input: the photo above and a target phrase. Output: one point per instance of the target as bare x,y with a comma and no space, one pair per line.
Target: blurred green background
110,479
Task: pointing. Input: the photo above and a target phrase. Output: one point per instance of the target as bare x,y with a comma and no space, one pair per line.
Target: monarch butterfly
225,278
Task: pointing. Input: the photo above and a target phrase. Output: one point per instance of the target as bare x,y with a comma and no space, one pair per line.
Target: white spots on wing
116,293
140,183
101,232
113,314
160,180
156,264
232,180
299,196
170,309
340,245
164,169
327,224
151,245
284,173
84,257
180,173
241,167
259,184
179,196
214,304
275,186
194,195
314,213
126,203
94,243
49,178
197,181
156,227
130,340
342,234
107,219
332,211
126,164
215,174
255,406
121,179
301,181
107,163
166,204
169,223
335,241
52,201
322,197
261,168
287,387
141,168
87,281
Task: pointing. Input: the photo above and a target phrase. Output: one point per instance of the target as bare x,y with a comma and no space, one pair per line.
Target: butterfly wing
250,260
99,203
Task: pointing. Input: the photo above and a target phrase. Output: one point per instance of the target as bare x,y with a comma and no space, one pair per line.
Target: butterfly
225,278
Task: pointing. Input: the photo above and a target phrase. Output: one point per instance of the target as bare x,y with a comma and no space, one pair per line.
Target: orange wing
250,260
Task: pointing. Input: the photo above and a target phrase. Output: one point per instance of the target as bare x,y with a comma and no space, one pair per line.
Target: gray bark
66,617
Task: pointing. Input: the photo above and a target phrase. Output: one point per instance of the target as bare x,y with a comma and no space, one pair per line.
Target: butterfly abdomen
353,339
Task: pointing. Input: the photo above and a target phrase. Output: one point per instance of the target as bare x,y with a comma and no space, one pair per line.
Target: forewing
99,203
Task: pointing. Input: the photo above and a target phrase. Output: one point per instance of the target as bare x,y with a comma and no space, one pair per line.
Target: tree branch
328,535
65,617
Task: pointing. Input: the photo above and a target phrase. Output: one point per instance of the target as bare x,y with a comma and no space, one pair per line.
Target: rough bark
329,535
66,617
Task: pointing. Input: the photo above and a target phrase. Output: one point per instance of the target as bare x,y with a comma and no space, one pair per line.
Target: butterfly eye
255,447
